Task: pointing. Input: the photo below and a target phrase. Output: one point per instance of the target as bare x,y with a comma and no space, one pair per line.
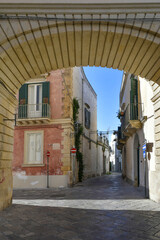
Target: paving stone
101,208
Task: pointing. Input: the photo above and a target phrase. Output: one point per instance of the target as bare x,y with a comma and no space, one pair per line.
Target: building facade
95,148
115,156
137,131
45,124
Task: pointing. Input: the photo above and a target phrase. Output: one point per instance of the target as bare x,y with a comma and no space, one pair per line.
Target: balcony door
34,100
134,99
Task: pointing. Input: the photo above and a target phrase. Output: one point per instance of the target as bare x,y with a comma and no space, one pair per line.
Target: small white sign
56,146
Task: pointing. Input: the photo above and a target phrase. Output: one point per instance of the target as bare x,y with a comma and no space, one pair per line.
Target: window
33,147
34,100
87,118
134,99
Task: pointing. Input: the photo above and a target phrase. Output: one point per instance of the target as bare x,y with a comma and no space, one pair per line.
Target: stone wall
7,110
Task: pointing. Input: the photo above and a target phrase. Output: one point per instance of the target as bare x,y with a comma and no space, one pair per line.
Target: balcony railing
119,133
133,112
29,111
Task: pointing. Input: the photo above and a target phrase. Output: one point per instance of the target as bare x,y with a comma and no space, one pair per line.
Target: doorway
136,162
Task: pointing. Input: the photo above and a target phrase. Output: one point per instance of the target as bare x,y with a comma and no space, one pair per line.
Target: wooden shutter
23,101
45,92
87,118
85,114
134,90
23,94
45,98
134,99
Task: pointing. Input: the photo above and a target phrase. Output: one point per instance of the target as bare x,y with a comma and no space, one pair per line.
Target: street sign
144,154
144,150
48,154
73,150
144,147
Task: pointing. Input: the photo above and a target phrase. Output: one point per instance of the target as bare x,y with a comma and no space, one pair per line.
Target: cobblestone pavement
100,208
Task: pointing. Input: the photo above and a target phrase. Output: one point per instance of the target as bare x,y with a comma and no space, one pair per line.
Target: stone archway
36,38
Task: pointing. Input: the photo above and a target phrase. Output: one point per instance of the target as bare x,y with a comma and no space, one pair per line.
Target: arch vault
36,38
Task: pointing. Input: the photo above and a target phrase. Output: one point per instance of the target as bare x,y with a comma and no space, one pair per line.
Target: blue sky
106,83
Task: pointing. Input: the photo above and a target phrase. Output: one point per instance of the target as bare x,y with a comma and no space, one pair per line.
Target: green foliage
78,128
78,137
120,114
79,156
75,109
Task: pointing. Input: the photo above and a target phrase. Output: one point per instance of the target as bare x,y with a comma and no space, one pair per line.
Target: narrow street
99,208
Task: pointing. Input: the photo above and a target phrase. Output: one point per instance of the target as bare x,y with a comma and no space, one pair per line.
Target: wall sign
56,146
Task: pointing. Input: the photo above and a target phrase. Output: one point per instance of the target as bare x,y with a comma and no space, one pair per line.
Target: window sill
33,165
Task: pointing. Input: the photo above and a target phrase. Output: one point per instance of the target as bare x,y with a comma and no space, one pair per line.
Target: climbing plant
78,129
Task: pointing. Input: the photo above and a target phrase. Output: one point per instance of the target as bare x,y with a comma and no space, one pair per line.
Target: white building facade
95,152
115,156
137,130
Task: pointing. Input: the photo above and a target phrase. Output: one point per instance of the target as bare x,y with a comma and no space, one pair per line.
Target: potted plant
120,114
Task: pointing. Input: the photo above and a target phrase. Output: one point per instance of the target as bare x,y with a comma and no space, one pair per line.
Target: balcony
121,139
131,121
33,114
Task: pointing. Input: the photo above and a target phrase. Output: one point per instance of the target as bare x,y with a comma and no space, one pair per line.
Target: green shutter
45,98
134,90
45,92
89,119
85,114
23,101
134,99
23,94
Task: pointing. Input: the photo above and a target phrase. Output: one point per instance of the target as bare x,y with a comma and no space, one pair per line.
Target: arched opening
34,45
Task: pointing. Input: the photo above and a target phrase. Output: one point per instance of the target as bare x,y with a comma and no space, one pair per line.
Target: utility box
149,147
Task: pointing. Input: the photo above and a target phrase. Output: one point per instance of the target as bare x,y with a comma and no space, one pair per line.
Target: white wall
146,132
148,127
115,156
125,87
40,181
112,155
100,160
84,93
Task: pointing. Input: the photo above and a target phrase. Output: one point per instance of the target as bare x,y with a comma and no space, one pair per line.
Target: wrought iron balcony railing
29,111
133,111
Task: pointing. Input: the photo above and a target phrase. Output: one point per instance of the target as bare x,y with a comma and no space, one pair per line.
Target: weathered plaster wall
56,94
52,135
57,131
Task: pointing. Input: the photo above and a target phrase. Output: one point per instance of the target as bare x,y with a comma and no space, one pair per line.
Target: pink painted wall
56,94
52,133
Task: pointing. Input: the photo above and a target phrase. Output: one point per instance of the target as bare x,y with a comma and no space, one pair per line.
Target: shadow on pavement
55,223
